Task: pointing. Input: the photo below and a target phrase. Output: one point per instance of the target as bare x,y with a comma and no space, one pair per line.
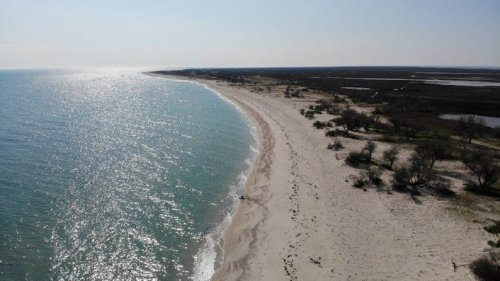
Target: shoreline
257,121
250,174
260,166
301,219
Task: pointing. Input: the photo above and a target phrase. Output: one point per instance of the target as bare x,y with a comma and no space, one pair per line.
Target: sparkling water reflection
112,175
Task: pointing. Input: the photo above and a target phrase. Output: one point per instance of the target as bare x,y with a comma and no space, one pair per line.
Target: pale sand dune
303,220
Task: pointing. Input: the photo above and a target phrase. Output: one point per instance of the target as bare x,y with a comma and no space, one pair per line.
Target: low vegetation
494,228
336,145
486,268
356,158
369,177
291,92
321,125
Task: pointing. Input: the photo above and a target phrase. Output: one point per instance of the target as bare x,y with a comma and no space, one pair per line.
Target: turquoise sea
115,175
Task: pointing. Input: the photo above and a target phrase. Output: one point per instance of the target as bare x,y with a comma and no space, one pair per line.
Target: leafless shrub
390,156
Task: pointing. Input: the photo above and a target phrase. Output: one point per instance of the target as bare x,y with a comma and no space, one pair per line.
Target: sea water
115,175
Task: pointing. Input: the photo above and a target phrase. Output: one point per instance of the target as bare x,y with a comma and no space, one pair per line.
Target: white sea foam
210,254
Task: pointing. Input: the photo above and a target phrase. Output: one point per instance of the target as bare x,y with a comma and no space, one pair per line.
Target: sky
224,33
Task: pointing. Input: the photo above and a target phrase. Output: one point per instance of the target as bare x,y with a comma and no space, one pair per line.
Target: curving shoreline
300,218
238,249
250,175
260,166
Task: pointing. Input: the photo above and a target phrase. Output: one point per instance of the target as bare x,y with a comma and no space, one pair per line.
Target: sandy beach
301,219
321,140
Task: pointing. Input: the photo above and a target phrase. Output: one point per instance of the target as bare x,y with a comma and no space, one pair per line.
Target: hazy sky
188,33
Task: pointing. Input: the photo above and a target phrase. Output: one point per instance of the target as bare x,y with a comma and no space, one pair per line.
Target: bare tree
432,150
417,172
391,156
485,172
408,127
370,148
370,176
470,127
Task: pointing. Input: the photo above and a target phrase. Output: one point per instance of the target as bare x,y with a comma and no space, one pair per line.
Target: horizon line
171,68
